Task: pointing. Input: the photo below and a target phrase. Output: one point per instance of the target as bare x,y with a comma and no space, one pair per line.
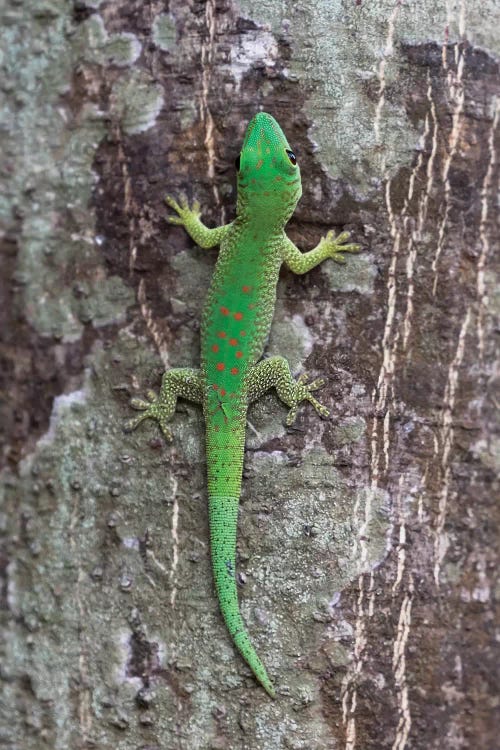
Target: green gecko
236,320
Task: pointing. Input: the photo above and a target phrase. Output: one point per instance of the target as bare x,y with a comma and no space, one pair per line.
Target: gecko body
236,320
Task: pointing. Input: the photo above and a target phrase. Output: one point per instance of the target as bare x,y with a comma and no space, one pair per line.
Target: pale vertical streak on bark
175,544
207,56
423,207
399,669
457,96
388,50
129,204
152,325
401,546
483,229
403,627
446,442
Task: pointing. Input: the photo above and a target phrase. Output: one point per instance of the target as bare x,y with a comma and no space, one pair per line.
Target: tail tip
268,687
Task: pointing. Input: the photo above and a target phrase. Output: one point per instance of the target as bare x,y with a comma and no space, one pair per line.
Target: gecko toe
131,424
139,404
316,384
172,203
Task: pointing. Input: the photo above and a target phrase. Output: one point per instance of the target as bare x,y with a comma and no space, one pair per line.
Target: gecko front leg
275,373
328,247
189,218
182,382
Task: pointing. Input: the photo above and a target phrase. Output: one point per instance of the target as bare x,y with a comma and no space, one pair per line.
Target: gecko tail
223,513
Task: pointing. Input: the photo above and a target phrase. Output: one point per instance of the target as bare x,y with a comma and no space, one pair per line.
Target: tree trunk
367,543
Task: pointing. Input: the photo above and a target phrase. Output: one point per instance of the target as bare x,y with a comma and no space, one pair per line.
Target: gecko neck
259,221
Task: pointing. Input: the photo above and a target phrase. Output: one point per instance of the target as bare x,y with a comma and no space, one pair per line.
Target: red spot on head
245,289
222,392
220,366
243,333
238,315
224,310
233,342
234,371
222,334
215,348
239,354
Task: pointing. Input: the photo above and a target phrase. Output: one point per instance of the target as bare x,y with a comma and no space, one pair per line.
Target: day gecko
236,320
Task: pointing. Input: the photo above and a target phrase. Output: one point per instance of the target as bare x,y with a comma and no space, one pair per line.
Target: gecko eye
291,156
237,163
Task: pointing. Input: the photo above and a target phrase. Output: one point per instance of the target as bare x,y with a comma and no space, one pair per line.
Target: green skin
236,320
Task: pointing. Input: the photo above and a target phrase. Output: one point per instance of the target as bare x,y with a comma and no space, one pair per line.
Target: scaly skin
236,321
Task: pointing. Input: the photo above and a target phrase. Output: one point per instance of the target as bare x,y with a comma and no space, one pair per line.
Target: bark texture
368,543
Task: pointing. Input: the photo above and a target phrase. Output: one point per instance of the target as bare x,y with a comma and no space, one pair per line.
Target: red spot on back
224,310
215,387
245,289
220,366
239,354
234,371
238,315
222,392
215,348
243,333
233,342
251,307
222,334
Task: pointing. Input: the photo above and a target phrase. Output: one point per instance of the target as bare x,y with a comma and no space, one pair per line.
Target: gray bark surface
368,543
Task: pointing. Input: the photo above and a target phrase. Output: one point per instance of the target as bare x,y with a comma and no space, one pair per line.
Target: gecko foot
336,246
179,382
153,408
303,393
185,213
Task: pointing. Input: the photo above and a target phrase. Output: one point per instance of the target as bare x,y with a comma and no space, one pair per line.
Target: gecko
235,324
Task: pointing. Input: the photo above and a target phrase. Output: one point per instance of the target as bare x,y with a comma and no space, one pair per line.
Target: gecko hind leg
275,373
182,382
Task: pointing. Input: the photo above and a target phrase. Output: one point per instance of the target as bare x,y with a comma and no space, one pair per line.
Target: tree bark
367,543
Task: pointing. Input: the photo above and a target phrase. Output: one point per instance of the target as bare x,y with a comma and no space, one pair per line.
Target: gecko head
269,184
